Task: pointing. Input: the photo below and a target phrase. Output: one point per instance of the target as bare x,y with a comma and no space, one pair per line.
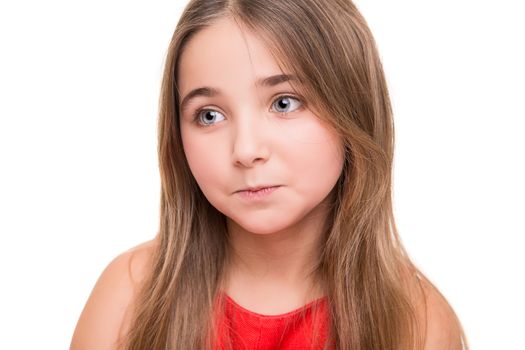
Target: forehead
224,54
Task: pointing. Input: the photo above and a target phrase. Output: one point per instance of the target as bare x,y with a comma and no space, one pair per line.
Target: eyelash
196,114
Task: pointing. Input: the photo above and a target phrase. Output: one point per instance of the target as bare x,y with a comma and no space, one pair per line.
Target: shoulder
108,309
437,320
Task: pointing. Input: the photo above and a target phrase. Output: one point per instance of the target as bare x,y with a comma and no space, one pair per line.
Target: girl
276,231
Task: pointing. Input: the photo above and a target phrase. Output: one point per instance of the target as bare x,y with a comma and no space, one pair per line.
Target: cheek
204,159
316,157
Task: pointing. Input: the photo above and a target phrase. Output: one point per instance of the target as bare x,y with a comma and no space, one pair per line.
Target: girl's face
243,127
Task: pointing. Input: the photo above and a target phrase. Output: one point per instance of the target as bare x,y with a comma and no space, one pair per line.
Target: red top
248,330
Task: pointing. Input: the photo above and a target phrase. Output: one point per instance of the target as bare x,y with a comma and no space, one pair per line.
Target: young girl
275,148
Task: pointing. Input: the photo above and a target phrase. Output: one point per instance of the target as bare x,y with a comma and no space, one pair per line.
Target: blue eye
283,103
208,117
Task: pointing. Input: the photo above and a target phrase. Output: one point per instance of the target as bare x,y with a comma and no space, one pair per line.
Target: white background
79,85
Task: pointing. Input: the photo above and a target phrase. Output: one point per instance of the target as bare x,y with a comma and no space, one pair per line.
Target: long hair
363,264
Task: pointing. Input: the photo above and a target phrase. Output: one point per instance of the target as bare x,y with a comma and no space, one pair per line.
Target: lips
257,194
257,188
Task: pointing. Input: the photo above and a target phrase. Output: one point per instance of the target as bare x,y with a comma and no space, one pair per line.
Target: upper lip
256,188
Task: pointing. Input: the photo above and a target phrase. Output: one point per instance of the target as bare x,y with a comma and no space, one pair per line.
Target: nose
250,142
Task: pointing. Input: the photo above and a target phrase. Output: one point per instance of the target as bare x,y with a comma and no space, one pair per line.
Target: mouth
258,188
257,193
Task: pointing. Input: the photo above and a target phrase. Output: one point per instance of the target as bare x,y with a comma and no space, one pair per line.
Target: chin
258,226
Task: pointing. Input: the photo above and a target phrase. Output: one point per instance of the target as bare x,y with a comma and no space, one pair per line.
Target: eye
207,117
286,104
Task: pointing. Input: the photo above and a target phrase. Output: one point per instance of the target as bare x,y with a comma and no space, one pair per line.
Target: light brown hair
362,262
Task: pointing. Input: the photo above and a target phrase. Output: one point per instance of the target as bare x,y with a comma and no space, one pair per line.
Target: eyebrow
210,91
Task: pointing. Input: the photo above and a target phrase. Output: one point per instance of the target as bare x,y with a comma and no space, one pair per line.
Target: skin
272,241
249,135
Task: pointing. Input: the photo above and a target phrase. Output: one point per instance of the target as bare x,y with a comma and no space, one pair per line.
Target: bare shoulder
105,316
437,319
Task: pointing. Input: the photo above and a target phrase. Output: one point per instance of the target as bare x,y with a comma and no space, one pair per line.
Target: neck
280,262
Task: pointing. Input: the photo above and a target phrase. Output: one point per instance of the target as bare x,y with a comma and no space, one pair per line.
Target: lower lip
258,195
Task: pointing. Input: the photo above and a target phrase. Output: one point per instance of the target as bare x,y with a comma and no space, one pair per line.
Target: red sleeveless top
248,330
